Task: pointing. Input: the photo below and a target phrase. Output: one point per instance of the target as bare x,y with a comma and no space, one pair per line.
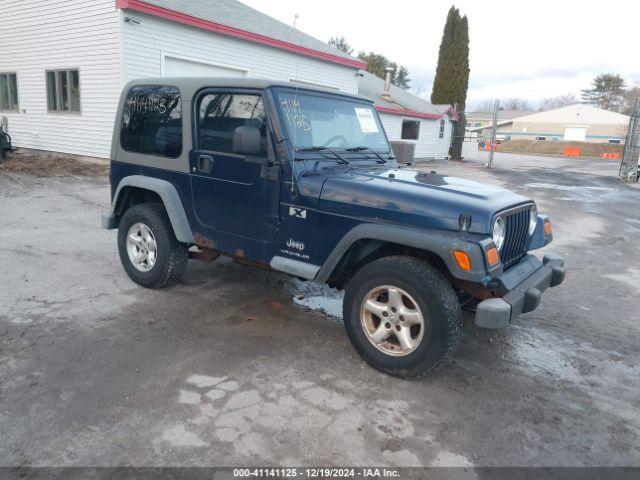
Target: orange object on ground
572,152
487,147
612,156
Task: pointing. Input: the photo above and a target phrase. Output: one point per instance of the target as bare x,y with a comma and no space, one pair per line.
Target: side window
152,121
441,132
410,130
8,92
219,114
63,91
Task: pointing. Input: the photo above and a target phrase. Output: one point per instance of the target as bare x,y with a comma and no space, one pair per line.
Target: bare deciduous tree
558,102
486,105
629,98
515,104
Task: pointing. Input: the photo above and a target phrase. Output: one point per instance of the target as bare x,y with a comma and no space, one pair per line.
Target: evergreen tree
377,65
607,91
452,73
341,44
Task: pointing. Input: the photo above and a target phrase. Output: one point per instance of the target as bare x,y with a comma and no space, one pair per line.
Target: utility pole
629,164
494,128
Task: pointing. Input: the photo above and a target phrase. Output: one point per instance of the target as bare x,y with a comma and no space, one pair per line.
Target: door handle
205,163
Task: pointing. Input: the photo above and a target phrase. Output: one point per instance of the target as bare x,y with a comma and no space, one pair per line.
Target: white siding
428,145
146,43
39,35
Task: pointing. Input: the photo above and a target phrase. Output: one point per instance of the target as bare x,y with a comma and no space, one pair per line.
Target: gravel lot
225,369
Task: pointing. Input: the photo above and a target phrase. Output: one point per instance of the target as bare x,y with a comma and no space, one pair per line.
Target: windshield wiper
321,149
316,148
369,149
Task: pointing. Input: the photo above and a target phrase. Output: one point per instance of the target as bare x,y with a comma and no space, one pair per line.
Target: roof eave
178,17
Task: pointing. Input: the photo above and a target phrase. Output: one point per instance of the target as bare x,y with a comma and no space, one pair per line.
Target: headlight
499,232
533,221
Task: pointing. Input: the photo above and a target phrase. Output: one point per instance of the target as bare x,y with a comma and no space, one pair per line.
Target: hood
413,198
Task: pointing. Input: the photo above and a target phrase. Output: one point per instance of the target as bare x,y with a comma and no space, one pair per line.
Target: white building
63,65
574,123
411,119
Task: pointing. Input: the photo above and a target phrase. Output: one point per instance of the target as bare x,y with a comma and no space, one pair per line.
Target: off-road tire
172,255
436,299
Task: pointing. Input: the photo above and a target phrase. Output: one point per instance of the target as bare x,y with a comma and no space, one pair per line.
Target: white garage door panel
575,134
179,67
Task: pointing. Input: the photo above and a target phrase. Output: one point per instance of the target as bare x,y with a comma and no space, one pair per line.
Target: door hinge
270,172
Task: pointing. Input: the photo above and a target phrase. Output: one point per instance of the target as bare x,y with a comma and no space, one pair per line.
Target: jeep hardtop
303,181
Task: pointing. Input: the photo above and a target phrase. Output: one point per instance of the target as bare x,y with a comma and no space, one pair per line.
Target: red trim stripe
143,7
413,113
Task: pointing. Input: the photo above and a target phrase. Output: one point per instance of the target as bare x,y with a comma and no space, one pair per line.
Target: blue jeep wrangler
303,181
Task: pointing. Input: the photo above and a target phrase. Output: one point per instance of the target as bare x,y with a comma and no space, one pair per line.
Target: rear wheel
149,251
402,316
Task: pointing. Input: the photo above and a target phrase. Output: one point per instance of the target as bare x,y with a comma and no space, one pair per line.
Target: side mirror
246,141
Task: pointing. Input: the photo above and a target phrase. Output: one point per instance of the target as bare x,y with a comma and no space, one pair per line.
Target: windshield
323,121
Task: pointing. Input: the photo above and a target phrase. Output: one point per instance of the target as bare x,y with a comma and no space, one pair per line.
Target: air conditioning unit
404,151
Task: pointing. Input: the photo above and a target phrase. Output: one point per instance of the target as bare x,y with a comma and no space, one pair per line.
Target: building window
468,125
219,114
442,124
614,140
152,121
410,130
541,139
63,91
8,92
478,124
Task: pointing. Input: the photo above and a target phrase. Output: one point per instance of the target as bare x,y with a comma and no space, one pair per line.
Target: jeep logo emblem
295,244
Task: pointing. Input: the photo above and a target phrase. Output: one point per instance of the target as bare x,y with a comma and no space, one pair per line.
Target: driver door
229,194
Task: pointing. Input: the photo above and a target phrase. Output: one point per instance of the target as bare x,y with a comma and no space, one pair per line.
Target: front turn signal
462,259
493,257
547,228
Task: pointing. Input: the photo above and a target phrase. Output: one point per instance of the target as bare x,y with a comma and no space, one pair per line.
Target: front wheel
149,251
402,316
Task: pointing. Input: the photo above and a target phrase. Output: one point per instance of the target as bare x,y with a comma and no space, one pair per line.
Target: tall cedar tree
452,74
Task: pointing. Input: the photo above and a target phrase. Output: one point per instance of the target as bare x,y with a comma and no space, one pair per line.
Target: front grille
515,241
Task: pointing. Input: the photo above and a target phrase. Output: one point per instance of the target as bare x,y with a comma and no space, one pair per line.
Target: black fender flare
439,242
170,199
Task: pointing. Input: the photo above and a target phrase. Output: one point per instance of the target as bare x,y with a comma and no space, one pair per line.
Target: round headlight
499,232
533,221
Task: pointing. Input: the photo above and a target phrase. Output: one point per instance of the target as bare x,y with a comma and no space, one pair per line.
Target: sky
530,50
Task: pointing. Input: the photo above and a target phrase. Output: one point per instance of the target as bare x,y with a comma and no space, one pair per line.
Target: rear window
152,121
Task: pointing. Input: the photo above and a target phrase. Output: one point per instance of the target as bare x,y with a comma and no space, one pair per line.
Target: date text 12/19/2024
317,472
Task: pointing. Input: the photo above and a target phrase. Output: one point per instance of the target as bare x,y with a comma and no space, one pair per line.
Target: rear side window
152,121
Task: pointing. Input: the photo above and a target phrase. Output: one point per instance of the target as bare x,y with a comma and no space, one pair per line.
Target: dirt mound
556,148
52,165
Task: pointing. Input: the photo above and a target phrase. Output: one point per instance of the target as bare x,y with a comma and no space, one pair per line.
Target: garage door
575,134
179,67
